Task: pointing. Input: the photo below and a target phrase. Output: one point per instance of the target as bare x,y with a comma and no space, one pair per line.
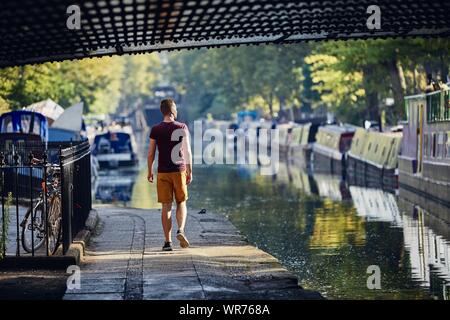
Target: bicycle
34,227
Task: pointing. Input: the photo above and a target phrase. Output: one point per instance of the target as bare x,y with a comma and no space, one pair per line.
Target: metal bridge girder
33,31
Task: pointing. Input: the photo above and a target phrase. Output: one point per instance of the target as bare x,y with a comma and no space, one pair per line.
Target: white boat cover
48,108
71,119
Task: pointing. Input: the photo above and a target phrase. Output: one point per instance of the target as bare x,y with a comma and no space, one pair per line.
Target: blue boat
23,125
114,149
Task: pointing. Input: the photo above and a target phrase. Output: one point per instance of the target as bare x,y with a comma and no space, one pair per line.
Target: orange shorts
170,183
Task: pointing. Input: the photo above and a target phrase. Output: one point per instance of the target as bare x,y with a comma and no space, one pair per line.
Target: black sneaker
184,243
167,246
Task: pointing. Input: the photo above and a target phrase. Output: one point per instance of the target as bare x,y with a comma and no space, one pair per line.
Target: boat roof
23,112
423,95
345,128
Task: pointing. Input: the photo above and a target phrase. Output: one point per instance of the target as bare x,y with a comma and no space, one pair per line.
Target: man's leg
166,218
181,215
181,221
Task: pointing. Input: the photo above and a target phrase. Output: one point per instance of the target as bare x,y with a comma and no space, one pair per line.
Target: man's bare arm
151,159
188,154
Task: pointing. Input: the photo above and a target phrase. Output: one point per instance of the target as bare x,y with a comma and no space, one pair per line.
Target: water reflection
325,231
332,187
114,186
376,205
430,251
333,229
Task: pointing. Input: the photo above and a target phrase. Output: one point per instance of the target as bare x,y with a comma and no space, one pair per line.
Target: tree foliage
102,84
223,80
358,76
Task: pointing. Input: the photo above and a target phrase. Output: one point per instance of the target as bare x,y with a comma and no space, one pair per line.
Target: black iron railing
45,196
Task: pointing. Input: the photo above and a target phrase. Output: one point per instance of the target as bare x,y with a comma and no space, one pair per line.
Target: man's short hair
167,106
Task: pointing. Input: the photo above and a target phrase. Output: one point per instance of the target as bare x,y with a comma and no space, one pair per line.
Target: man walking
174,170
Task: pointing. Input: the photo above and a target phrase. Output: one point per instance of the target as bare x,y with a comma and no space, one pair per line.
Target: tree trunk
398,85
271,105
415,84
372,103
444,69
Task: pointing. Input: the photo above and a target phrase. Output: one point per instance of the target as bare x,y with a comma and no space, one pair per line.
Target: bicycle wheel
36,230
54,224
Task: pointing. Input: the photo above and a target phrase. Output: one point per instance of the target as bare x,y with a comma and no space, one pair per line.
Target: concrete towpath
124,261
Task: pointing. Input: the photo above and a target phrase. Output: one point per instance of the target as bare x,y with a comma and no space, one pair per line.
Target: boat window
25,123
413,113
376,149
7,124
384,151
445,145
425,144
369,146
440,144
433,146
37,126
448,143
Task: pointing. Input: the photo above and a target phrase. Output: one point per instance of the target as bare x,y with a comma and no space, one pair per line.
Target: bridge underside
33,31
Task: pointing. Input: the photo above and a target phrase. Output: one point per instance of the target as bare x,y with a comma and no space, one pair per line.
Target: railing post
89,183
32,217
16,177
44,196
65,216
3,240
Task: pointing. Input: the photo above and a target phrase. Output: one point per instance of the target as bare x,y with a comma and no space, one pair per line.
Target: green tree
223,80
389,68
140,73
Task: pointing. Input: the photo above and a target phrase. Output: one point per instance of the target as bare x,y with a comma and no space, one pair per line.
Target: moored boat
424,162
115,149
300,148
330,148
372,159
284,134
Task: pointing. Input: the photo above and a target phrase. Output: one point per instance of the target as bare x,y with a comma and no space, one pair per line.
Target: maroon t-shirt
162,133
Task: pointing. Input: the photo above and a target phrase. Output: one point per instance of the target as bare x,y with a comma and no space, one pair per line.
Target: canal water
331,235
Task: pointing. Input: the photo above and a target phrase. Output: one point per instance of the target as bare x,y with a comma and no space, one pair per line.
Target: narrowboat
23,125
23,131
330,149
424,162
301,145
150,106
284,134
372,159
115,149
